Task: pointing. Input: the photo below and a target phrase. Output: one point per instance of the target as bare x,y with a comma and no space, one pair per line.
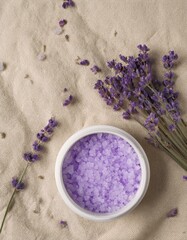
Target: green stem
172,154
12,196
175,141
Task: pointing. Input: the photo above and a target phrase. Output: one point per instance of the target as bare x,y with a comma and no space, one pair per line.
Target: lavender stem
12,196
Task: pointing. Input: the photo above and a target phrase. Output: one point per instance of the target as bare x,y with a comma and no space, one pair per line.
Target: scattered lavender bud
16,184
115,34
71,3
62,23
95,69
65,5
68,100
63,223
3,135
172,213
2,66
31,157
58,30
185,177
84,62
41,56
68,3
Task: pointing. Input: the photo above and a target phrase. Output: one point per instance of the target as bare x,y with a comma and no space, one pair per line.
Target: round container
145,172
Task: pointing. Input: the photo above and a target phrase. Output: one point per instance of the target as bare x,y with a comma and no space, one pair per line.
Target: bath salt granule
101,172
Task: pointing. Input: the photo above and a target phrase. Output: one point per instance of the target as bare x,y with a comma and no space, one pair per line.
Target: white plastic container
143,163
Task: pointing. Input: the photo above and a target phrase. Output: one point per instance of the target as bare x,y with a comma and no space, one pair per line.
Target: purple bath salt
101,173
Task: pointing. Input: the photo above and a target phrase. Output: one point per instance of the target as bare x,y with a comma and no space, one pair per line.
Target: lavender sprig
149,100
30,157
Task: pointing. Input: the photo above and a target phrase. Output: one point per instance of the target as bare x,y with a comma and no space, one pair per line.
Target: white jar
145,171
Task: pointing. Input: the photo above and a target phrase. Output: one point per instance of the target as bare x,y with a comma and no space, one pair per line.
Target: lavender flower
16,184
68,101
153,102
63,223
184,177
30,157
62,23
172,213
84,62
95,69
2,66
68,3
151,122
52,123
169,60
123,58
42,137
143,48
37,146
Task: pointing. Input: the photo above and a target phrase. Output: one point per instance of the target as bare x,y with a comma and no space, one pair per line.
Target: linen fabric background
27,102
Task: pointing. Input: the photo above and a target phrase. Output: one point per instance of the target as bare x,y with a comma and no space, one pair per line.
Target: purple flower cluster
134,89
31,157
68,101
84,62
42,137
172,213
62,23
95,69
133,81
16,184
68,3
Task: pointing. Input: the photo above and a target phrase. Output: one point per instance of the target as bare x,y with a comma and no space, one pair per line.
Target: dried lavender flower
16,184
68,101
153,102
84,62
185,177
63,223
42,137
62,23
172,213
30,157
68,3
95,69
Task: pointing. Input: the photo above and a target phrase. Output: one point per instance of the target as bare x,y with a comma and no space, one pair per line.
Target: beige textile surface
27,103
